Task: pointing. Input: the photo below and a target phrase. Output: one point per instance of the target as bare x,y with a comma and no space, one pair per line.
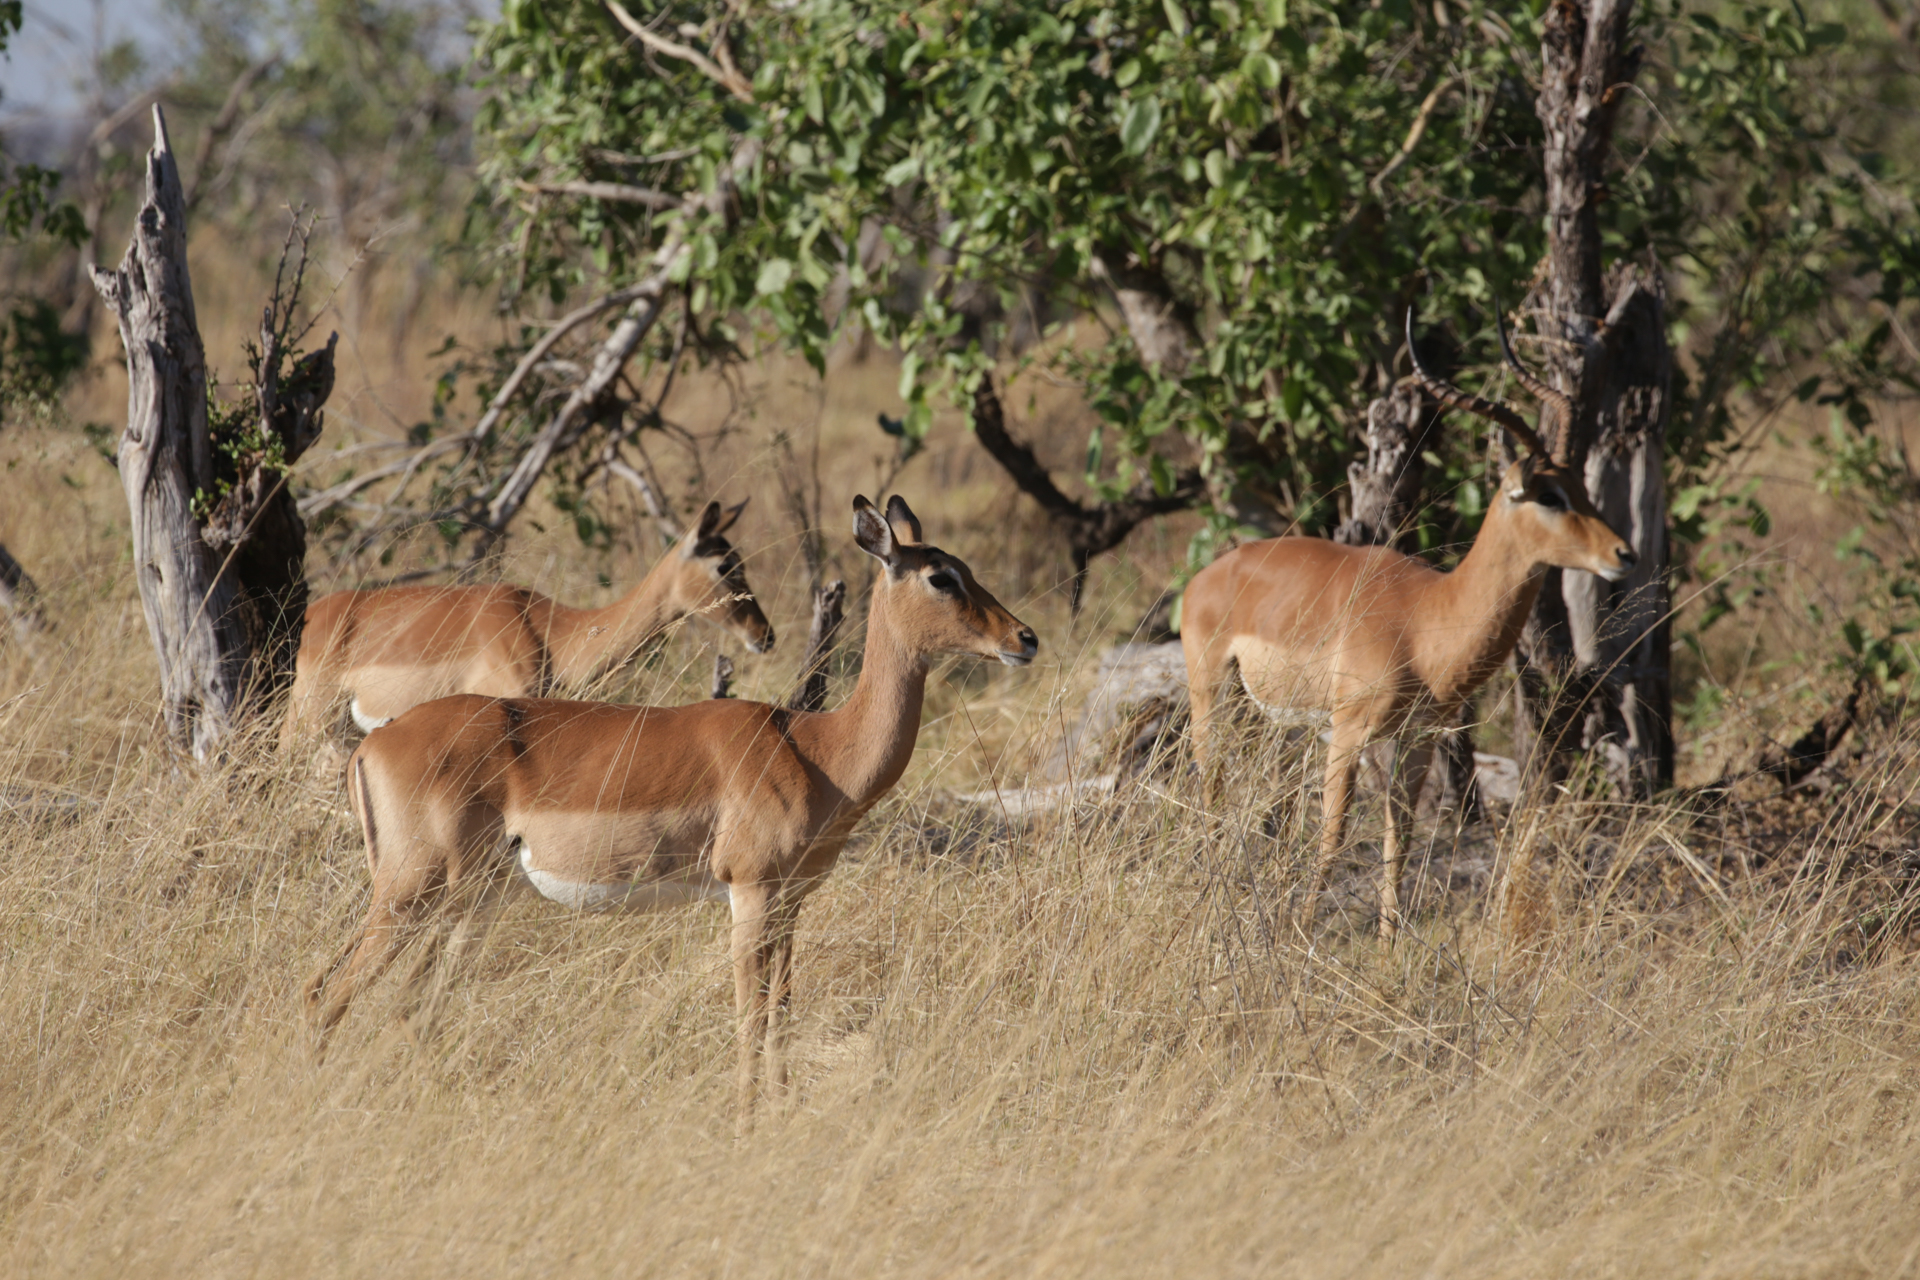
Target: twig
1421,119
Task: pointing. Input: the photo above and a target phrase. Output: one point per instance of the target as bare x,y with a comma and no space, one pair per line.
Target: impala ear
906,525
704,529
1522,474
873,533
729,516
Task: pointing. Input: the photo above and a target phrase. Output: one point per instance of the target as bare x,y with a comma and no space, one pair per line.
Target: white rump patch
367,723
646,895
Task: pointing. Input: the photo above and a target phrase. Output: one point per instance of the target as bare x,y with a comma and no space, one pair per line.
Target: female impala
647,806
391,649
1386,643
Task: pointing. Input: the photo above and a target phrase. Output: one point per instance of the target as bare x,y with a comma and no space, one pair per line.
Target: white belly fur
648,895
367,723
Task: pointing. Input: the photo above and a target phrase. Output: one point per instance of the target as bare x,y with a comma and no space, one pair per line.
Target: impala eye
944,581
1551,499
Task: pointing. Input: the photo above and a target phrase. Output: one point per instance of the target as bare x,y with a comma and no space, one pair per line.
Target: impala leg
440,959
1201,694
332,990
1343,759
780,1003
303,711
1406,768
754,946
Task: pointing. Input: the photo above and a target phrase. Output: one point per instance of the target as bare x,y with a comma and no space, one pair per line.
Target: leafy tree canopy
1269,183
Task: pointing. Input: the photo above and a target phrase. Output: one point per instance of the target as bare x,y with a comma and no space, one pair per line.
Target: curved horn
1448,394
1541,391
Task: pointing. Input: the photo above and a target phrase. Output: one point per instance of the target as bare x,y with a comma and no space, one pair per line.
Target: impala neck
588,643
864,747
1480,608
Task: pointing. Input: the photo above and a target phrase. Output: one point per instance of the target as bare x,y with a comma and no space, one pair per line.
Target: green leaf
1162,475
773,276
1216,167
1276,13
1139,125
1176,16
1262,69
1293,396
1129,72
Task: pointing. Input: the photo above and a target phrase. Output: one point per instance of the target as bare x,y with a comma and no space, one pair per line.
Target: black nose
1626,557
1030,640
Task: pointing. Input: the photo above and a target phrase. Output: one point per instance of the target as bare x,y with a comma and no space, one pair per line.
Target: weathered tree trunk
829,603
1384,491
19,597
165,463
1593,661
1385,494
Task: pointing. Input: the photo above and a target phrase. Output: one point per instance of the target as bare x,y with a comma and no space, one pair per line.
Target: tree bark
257,528
1385,489
1593,660
19,597
165,464
829,604
1160,325
1089,529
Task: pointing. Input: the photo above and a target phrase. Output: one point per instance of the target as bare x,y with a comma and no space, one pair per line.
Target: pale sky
47,65
46,72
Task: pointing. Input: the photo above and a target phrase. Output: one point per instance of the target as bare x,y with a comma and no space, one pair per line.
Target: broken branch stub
828,607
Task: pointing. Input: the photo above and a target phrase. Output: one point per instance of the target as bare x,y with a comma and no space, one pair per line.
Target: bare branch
618,192
538,352
649,497
1089,530
222,123
728,77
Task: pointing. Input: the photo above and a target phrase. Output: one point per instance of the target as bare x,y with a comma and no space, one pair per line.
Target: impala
647,807
1386,643
390,649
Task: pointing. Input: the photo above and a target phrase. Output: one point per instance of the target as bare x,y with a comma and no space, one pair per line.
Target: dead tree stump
219,548
166,464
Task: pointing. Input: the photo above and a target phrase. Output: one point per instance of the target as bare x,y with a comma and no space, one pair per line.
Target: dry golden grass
1089,1043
